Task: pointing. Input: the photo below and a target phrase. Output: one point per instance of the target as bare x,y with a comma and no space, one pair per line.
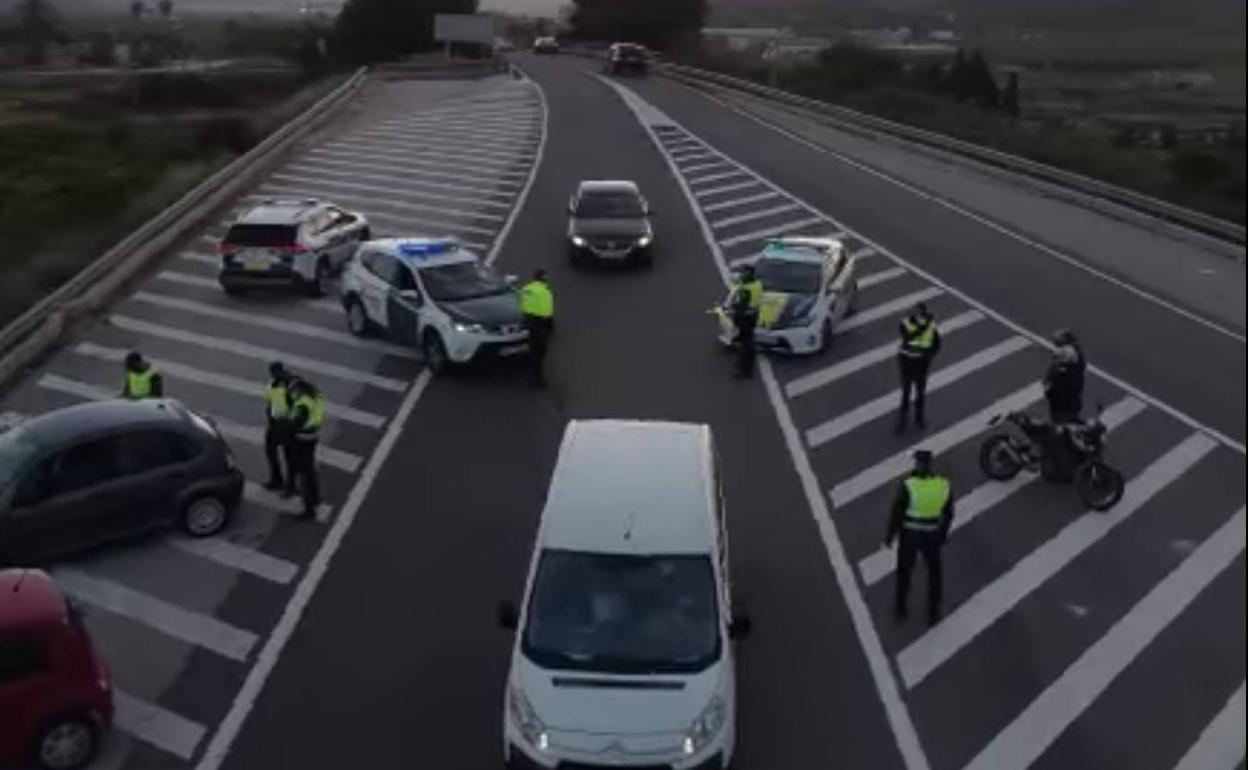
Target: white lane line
864,253
892,309
325,305
169,619
1027,737
697,167
368,202
211,260
421,166
244,387
880,276
925,654
727,188
273,324
478,155
763,196
393,179
518,120
889,469
256,494
492,165
393,190
716,177
389,197
895,709
753,215
158,726
887,403
237,557
257,352
986,496
421,173
252,435
886,352
788,228
1221,743
695,155
473,135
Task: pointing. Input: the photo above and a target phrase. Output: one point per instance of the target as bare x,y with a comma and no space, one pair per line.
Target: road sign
463,28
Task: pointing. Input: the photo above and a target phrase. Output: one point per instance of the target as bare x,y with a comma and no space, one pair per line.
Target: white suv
285,242
623,654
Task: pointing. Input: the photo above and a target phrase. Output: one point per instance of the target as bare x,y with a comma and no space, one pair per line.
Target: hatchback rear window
262,235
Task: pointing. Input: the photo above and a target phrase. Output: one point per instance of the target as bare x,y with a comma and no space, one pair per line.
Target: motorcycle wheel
998,458
1100,486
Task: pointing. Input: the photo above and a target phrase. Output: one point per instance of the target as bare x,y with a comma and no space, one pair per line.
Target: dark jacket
901,504
1063,381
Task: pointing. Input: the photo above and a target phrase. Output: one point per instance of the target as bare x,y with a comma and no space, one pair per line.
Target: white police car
435,295
809,285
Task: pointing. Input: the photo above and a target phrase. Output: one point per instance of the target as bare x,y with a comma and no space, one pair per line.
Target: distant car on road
546,45
290,242
624,58
81,476
434,295
56,694
609,221
809,284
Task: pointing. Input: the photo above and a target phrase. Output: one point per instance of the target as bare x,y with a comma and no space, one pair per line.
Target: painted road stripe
763,196
1026,738
211,260
420,174
324,304
987,496
699,154
519,119
892,309
396,179
887,403
250,388
752,215
273,324
729,188
886,352
478,155
882,276
158,726
252,435
864,253
238,557
256,352
789,228
716,177
465,160
1221,744
994,600
420,166
891,468
191,627
370,201
698,167
393,188
256,494
463,138
389,198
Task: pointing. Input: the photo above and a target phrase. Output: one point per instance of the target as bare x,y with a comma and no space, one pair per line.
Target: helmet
134,360
1063,337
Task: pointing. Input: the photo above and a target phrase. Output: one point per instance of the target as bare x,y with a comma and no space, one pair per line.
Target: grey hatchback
95,472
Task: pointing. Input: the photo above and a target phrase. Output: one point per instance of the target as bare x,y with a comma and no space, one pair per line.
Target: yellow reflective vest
278,399
928,497
315,408
139,384
537,300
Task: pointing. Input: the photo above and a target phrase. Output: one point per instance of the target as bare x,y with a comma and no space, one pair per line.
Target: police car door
404,303
342,235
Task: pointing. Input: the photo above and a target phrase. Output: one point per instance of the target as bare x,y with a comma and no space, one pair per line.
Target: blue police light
776,245
427,248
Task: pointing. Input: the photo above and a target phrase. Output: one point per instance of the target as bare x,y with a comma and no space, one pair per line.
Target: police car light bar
428,247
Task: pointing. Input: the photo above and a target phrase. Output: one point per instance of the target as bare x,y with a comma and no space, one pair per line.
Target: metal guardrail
853,119
31,333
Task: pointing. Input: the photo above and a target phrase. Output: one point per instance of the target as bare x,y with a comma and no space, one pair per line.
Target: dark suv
623,58
95,472
609,221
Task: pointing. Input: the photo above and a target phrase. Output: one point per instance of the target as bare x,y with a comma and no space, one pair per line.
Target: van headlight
644,241
578,241
705,727
525,718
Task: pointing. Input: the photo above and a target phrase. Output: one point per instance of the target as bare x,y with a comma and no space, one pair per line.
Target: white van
623,653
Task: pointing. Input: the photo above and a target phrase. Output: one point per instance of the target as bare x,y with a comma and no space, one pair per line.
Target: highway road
1071,639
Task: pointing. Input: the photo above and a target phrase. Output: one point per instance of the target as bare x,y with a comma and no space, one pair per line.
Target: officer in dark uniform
307,415
747,301
921,516
141,378
920,342
276,410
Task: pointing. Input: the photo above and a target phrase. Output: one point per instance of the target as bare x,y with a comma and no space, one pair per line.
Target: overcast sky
529,7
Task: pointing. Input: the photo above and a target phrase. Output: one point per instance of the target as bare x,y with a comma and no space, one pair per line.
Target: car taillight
226,248
291,248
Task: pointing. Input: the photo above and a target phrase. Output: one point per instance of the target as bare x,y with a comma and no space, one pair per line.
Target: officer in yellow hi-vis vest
307,415
537,305
922,514
276,440
747,301
920,342
141,378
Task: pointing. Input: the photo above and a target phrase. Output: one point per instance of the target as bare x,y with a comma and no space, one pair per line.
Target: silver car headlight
468,328
705,727
525,719
644,241
578,241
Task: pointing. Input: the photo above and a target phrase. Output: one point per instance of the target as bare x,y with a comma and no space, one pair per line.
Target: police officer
922,514
537,304
277,409
1063,382
141,378
746,302
307,415
920,342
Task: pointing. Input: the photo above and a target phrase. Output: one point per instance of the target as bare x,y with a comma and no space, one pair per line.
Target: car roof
61,425
279,211
632,487
802,249
421,251
29,598
608,185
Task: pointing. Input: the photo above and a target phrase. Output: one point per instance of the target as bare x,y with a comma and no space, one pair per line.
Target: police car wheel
357,318
435,354
853,300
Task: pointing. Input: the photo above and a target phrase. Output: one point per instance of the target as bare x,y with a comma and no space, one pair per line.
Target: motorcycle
1060,453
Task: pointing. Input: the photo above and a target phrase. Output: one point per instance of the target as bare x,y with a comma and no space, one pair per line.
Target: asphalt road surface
1071,639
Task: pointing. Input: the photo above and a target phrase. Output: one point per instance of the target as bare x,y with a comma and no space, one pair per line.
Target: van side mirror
508,616
739,627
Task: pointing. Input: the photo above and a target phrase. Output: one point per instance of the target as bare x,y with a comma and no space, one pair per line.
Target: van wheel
68,743
204,516
435,354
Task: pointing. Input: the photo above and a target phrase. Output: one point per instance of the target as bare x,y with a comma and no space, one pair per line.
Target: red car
55,691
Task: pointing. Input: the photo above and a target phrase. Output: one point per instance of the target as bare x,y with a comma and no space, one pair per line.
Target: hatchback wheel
435,354
67,744
204,516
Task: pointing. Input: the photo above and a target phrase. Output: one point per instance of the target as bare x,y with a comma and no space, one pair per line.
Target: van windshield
623,614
